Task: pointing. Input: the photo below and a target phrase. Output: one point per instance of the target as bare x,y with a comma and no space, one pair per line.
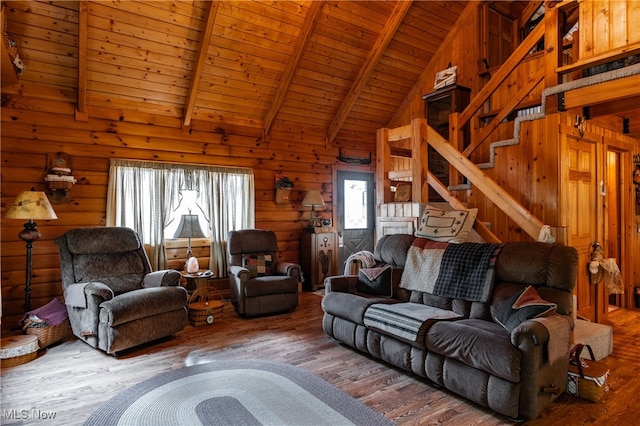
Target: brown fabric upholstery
266,294
103,270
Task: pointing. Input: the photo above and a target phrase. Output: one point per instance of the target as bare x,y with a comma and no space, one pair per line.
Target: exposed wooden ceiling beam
305,33
205,40
83,37
390,28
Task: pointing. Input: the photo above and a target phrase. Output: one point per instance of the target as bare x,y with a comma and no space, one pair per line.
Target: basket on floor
47,335
204,311
18,350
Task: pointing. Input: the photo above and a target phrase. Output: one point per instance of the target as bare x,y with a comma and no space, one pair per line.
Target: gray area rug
235,393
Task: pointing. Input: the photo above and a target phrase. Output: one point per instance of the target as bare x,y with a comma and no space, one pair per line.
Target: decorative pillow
257,264
377,281
449,226
524,305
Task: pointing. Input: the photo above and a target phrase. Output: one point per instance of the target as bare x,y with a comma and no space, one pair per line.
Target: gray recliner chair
260,284
115,301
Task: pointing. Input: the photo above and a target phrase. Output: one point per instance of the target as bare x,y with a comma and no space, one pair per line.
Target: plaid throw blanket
461,271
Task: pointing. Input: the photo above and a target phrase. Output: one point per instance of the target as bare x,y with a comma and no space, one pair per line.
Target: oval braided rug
235,393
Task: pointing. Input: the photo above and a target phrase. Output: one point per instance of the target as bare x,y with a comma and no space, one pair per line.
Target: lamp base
30,232
192,265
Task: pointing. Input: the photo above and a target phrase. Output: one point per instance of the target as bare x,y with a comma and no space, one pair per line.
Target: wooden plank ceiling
337,68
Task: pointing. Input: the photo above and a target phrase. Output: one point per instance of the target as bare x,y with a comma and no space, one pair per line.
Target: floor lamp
30,205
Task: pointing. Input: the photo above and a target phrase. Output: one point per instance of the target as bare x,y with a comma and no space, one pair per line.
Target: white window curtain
143,195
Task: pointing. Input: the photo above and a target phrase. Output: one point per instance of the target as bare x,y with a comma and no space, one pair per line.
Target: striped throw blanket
461,271
408,321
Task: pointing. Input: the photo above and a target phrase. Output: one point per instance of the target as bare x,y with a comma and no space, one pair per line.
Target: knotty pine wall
530,170
40,128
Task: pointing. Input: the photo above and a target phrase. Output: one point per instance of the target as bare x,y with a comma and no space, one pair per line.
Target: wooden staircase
580,93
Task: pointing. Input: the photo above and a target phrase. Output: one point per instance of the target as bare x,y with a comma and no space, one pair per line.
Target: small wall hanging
283,189
59,178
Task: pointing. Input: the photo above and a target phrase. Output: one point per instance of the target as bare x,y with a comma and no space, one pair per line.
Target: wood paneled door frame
581,208
618,210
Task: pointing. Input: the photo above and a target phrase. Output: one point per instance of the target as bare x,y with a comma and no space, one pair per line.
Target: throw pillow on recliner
376,281
258,264
525,304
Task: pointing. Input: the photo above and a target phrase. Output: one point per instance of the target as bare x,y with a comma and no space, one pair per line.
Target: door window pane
355,204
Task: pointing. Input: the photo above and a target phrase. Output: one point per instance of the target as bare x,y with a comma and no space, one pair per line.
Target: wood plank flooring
71,379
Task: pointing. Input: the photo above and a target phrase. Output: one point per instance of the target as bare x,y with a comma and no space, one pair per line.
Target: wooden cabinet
438,106
318,258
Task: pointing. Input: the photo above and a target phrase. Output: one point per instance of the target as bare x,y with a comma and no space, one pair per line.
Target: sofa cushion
376,281
446,225
405,321
477,343
349,306
257,264
270,284
525,304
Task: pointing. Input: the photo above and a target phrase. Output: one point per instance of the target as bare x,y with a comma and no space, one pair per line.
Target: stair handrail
516,57
530,224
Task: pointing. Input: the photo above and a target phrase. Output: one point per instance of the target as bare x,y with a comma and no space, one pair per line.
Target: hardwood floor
71,379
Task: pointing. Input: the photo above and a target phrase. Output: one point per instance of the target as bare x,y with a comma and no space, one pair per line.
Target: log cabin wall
39,119
40,128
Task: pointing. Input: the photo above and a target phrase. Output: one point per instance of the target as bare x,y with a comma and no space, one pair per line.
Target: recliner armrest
341,283
81,295
531,331
240,272
162,278
290,269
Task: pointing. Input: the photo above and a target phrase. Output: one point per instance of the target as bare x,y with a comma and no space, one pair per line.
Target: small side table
202,311
198,281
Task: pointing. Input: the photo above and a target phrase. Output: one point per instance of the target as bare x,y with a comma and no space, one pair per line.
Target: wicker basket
48,335
204,311
18,350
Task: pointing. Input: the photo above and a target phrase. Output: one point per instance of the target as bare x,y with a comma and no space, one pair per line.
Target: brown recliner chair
114,300
260,284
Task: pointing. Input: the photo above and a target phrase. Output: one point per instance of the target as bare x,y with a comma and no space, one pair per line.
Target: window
149,197
355,200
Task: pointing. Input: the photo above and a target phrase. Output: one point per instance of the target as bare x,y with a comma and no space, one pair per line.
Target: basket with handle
47,334
588,378
202,309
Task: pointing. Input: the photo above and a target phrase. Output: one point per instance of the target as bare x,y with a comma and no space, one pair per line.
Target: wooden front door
580,194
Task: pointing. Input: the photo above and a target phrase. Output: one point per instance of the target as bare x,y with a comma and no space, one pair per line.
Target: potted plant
283,189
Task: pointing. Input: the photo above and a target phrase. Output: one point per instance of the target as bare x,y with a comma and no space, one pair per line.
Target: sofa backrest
551,269
112,255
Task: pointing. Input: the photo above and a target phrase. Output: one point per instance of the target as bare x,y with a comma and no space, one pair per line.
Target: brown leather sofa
462,348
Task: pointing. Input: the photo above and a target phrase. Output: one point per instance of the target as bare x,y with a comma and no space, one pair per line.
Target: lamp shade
313,198
31,205
189,227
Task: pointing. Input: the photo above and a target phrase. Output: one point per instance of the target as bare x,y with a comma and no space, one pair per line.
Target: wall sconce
59,179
